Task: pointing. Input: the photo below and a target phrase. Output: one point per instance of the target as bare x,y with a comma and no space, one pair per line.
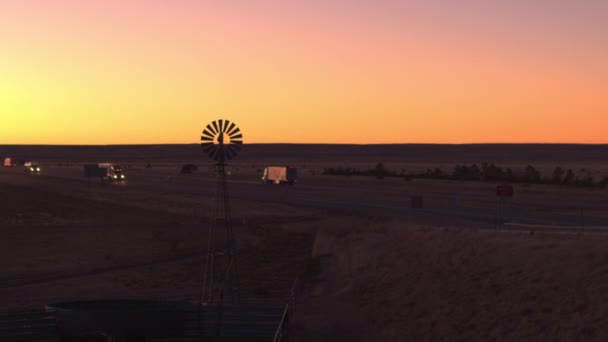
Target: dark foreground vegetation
487,172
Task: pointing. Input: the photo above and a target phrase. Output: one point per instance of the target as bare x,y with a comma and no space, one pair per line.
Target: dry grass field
362,276
61,242
388,281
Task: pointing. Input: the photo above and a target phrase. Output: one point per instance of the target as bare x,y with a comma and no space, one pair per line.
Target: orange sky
157,71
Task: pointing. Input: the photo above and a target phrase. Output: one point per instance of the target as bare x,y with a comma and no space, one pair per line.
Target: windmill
221,141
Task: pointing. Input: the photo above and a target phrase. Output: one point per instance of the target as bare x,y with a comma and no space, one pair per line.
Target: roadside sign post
504,192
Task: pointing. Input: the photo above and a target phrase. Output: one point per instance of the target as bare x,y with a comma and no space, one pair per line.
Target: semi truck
111,172
280,175
32,167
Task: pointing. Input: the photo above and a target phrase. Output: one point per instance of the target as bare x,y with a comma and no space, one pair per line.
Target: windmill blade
239,142
228,125
235,131
235,147
206,138
211,129
221,150
218,154
216,127
208,133
239,136
213,152
210,154
209,149
233,152
221,125
225,151
229,130
206,144
229,152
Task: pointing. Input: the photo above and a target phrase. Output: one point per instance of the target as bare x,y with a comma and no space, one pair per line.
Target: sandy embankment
394,282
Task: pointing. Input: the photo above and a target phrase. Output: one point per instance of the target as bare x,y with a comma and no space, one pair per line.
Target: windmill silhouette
221,141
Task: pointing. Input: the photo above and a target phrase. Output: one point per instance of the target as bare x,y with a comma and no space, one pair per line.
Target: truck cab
32,167
113,172
117,172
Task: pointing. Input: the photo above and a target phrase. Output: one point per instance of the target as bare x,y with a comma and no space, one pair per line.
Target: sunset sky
370,71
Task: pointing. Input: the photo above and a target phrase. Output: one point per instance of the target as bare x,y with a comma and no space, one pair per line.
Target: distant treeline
486,172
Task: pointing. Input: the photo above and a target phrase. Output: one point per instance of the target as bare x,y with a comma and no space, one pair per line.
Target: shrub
558,175
189,168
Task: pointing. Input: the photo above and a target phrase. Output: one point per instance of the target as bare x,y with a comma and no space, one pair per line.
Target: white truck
112,171
280,175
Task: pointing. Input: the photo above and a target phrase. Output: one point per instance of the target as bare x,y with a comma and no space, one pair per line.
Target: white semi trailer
8,162
280,175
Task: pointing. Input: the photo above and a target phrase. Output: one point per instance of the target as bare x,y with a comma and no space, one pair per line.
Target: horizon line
335,144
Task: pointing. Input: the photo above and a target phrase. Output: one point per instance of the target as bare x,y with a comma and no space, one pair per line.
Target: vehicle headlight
37,169
115,176
31,169
122,176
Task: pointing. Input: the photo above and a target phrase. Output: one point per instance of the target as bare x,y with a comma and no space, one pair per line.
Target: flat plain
368,266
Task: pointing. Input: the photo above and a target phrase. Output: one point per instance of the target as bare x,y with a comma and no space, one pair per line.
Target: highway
386,198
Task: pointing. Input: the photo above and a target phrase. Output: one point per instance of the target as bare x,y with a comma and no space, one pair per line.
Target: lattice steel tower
221,141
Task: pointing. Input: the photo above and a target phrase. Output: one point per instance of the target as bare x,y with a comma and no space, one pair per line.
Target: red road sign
504,190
